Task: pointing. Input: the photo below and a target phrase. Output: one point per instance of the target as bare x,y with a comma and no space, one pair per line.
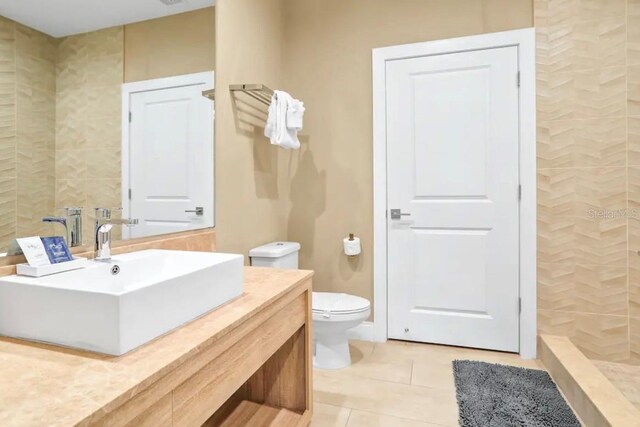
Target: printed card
57,249
34,251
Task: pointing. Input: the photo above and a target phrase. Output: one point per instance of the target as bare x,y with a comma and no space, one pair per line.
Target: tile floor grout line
331,404
375,379
429,423
348,417
397,383
432,387
411,373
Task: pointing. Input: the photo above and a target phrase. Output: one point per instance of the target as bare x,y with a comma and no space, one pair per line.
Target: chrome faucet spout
54,219
103,243
104,226
72,225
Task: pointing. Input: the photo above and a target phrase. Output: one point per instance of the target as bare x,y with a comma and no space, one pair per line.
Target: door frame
524,39
206,78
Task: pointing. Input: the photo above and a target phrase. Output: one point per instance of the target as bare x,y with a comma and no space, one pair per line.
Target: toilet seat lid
336,303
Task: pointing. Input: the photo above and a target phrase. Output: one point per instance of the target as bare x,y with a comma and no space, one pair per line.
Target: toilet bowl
333,313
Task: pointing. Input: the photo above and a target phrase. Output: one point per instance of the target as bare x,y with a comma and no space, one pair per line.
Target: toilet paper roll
352,247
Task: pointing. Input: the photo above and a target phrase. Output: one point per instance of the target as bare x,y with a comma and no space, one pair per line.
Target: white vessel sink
93,309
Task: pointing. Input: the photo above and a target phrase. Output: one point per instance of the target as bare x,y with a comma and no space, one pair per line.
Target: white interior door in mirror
169,165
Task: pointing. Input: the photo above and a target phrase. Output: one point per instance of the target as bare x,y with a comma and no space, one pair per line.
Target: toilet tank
276,255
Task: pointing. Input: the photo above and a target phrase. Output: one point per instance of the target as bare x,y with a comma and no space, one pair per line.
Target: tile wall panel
633,126
36,88
27,130
634,335
598,336
633,32
585,288
583,143
59,121
587,56
88,121
8,146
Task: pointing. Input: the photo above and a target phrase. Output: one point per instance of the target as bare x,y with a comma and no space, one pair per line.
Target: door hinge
519,305
520,192
518,79
129,194
130,116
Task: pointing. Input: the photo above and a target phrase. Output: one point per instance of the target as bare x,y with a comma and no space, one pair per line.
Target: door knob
198,211
397,214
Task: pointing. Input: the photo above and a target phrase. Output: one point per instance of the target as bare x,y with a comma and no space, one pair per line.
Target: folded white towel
272,119
284,121
295,114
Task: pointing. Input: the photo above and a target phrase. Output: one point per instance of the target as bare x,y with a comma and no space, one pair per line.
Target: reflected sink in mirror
115,307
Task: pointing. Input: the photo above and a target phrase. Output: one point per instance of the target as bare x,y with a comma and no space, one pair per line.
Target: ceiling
61,18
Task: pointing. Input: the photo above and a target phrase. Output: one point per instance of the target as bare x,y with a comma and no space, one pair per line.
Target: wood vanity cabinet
247,363
259,374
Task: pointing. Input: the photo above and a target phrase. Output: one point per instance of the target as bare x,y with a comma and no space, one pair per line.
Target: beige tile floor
396,384
624,377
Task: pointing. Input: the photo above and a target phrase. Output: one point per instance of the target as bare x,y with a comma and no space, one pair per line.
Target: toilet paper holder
352,246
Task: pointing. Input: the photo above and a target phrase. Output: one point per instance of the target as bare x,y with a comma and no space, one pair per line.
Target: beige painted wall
170,46
328,65
250,191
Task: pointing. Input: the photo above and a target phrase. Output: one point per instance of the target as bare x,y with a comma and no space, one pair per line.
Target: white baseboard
364,332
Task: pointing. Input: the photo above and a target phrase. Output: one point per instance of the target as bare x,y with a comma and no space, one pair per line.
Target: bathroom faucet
104,225
72,223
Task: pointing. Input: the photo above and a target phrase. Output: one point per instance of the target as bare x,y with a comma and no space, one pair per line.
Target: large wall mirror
102,107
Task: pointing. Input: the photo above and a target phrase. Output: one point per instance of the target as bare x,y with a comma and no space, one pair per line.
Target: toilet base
331,351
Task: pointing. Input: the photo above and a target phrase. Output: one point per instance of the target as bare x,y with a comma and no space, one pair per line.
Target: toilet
333,313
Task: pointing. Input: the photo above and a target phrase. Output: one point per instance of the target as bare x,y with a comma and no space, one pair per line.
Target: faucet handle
105,213
102,213
72,210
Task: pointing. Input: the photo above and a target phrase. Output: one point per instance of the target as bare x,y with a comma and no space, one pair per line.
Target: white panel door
452,153
170,160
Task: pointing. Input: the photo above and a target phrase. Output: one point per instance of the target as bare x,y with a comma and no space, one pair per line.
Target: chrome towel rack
211,94
258,92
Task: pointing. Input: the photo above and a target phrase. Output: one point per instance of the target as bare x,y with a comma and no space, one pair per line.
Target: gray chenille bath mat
491,395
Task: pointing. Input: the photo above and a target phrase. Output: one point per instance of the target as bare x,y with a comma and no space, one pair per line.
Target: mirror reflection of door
167,161
62,123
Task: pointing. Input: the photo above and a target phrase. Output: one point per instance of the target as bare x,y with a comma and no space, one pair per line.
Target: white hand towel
276,129
295,114
270,127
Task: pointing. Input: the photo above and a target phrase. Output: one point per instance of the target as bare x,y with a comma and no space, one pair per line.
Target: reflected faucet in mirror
72,223
104,225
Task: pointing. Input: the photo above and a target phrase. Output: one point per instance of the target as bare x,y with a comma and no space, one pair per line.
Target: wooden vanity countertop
44,384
